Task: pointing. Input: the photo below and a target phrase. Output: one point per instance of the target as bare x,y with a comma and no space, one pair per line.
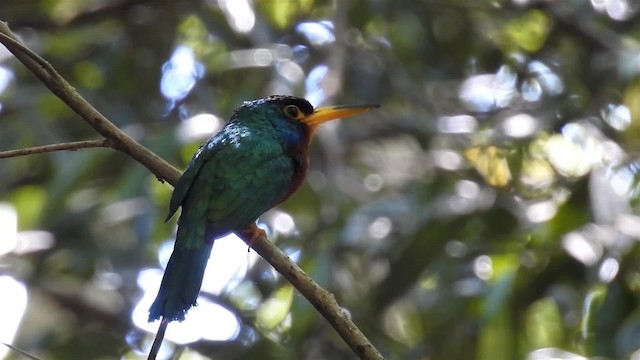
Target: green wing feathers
252,185
184,183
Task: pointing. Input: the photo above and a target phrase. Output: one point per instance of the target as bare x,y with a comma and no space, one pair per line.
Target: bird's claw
253,233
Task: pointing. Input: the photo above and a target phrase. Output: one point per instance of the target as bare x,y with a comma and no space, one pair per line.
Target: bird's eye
292,111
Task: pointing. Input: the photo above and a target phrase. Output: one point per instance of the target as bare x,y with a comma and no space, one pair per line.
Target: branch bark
321,299
71,146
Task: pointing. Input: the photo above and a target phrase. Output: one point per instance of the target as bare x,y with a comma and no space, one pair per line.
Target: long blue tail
181,282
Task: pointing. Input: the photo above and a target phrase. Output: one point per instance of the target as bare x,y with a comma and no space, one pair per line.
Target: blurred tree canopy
489,209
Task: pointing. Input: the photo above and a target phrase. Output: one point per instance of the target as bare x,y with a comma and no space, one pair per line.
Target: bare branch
72,146
20,351
321,299
157,342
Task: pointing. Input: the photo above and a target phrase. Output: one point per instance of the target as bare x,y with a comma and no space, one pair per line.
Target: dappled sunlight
373,182
447,159
575,151
467,189
120,211
33,240
547,81
468,287
466,198
489,92
198,127
6,76
376,225
483,267
541,211
401,323
290,71
13,304
491,162
617,116
544,323
230,260
258,57
455,248
20,242
457,124
608,270
628,225
283,223
239,14
622,180
315,89
180,74
317,33
8,228
537,175
583,247
14,295
615,229
520,126
553,354
616,9
275,310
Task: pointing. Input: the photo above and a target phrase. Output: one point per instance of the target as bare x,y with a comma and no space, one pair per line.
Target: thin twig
322,300
157,342
67,93
72,146
20,351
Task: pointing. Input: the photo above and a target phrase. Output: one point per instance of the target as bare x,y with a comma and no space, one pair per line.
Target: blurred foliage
488,210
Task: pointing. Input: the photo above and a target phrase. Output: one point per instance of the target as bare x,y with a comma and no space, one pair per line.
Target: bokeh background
489,209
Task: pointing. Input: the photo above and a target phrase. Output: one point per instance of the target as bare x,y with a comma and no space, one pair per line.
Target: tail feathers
181,283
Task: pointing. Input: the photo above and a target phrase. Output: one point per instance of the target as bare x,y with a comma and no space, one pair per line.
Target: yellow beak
328,113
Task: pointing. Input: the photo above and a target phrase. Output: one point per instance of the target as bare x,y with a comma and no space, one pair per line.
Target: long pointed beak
328,113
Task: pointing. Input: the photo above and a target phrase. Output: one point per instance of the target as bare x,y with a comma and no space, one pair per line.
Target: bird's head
299,109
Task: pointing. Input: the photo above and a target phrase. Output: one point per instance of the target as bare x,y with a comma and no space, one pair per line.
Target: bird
255,162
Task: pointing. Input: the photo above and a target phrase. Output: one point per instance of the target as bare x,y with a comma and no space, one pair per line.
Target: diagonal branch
324,301
321,299
72,146
20,351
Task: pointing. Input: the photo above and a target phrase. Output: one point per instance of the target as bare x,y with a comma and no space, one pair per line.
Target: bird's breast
296,148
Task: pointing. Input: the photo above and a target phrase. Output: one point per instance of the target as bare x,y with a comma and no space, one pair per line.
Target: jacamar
254,163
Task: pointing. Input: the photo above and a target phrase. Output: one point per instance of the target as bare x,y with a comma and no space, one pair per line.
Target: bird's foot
253,232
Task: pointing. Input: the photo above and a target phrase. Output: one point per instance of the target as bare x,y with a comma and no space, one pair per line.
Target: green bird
254,163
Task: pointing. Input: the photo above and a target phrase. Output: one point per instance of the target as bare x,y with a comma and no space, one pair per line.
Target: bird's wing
186,180
252,182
